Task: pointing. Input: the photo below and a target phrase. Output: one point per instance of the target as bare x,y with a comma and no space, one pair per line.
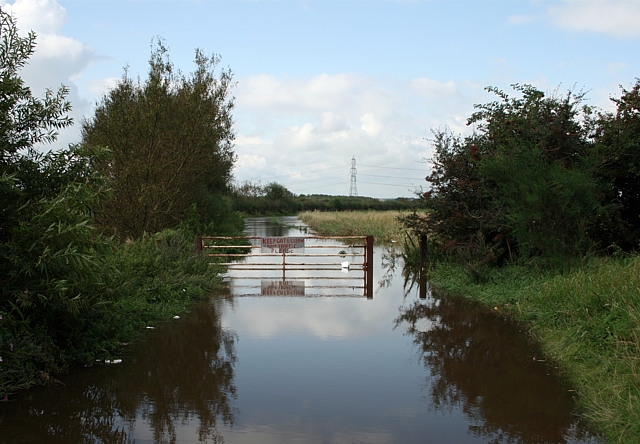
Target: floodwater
326,366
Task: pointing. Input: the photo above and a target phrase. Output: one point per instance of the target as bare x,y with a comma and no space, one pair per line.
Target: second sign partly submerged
282,245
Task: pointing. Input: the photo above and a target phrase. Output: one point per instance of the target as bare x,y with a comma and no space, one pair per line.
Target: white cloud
370,125
41,16
245,140
310,128
100,87
251,160
433,88
331,123
618,18
58,59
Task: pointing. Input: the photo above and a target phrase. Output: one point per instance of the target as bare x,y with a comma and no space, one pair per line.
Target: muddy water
328,367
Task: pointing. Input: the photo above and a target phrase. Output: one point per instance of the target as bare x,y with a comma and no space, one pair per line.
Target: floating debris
176,317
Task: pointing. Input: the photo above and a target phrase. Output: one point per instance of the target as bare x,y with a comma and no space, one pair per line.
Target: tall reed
383,225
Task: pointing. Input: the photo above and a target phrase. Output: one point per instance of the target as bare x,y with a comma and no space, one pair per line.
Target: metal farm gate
296,266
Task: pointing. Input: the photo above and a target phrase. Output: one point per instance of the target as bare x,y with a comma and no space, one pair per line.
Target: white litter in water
345,264
149,327
176,317
116,361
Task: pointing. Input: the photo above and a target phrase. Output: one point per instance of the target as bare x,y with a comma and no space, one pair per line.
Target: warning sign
282,245
282,288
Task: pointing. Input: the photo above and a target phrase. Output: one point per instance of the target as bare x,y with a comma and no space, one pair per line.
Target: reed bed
383,225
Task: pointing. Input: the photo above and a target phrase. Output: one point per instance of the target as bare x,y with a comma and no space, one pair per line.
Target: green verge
143,282
587,320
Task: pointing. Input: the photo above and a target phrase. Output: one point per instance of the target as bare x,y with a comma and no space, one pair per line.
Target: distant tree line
274,198
542,176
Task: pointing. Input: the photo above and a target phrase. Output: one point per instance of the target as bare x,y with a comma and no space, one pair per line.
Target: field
383,225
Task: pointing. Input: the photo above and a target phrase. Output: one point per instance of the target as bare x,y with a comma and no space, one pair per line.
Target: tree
522,185
171,144
276,191
50,268
618,139
538,154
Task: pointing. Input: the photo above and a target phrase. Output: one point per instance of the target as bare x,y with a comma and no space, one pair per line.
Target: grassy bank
587,321
383,225
139,283
586,318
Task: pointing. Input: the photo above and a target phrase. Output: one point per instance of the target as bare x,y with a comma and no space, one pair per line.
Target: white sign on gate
282,288
282,245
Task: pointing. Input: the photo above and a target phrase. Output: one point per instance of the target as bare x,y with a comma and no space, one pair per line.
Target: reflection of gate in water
297,266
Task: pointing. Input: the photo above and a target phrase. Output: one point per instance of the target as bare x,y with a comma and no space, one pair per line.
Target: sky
320,83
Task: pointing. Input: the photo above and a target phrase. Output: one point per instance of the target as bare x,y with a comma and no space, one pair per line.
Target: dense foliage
69,294
49,269
618,141
170,141
541,177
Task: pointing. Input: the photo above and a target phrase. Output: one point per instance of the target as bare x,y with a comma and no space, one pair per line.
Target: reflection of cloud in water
330,318
269,435
336,317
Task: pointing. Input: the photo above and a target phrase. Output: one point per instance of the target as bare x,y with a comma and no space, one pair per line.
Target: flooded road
328,367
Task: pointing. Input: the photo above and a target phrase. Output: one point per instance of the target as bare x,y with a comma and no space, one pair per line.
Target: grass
586,317
587,320
383,225
146,281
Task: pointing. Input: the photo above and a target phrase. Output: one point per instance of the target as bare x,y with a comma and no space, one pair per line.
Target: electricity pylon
353,190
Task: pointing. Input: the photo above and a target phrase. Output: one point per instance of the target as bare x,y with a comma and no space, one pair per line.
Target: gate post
198,244
368,273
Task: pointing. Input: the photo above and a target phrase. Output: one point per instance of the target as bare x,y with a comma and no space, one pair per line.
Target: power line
315,180
388,184
311,171
392,177
393,168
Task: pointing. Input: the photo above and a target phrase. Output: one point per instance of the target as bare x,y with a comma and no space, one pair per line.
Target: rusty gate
322,258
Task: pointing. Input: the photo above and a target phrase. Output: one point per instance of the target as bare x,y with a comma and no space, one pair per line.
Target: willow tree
170,140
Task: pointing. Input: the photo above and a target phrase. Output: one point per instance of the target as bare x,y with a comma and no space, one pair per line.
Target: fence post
368,277
423,260
198,244
423,251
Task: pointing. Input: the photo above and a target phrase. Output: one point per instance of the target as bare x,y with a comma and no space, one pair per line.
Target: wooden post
423,251
198,244
284,261
368,260
423,263
422,286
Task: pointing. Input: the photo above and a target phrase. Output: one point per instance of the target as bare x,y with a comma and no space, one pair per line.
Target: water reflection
308,370
483,366
178,383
